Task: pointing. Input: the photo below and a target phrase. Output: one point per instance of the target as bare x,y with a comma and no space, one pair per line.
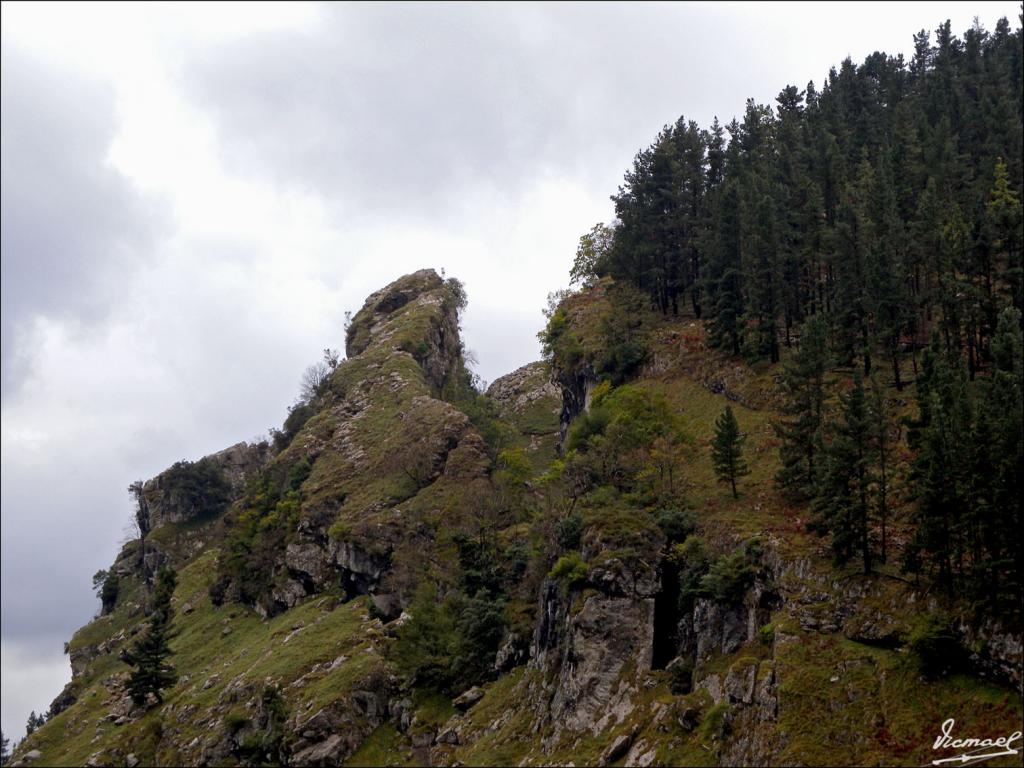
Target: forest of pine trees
872,225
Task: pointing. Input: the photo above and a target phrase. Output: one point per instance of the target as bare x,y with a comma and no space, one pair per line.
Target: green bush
676,524
935,643
569,531
728,578
692,559
340,530
298,415
731,575
559,345
236,719
264,745
107,585
449,645
197,489
680,676
767,634
299,472
570,569
620,362
715,724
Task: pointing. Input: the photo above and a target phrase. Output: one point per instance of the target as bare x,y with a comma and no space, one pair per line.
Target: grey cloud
72,227
402,109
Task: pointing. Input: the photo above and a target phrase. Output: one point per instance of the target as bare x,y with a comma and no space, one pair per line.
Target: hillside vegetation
564,569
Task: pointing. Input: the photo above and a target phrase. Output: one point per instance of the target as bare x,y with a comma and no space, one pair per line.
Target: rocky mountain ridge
299,588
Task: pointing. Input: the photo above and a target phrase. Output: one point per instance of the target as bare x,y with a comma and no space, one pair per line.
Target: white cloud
29,683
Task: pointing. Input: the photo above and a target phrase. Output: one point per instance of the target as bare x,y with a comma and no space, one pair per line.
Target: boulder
448,736
620,745
329,752
468,698
28,758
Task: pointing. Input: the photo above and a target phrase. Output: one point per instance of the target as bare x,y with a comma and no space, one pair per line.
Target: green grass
384,747
254,652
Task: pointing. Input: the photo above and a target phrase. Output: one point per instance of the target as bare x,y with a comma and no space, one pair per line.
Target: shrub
692,559
730,575
620,362
680,676
559,344
570,569
106,584
298,415
767,634
482,567
449,645
198,489
728,578
676,524
108,595
569,531
936,645
340,530
236,719
480,626
423,649
264,745
299,472
588,426
715,724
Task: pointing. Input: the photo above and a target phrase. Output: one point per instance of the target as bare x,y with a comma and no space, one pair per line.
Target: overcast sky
193,196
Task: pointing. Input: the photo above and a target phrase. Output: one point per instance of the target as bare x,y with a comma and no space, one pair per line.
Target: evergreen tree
152,673
761,276
727,450
843,493
941,471
881,424
725,273
1004,221
5,754
999,468
803,385
34,723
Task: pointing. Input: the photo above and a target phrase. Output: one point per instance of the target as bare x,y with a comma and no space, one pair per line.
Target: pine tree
727,450
803,385
762,279
1004,221
843,493
725,273
881,423
941,472
34,722
5,744
999,470
149,655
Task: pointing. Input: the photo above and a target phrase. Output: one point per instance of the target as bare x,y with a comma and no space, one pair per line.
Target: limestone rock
740,681
619,746
448,736
468,698
28,758
237,463
605,635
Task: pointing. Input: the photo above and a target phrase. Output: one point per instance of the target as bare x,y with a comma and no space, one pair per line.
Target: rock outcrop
391,443
160,504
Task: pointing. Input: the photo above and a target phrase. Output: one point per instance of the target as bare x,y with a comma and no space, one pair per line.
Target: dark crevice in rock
666,617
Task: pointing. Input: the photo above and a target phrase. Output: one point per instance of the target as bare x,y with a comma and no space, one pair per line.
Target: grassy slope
208,660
